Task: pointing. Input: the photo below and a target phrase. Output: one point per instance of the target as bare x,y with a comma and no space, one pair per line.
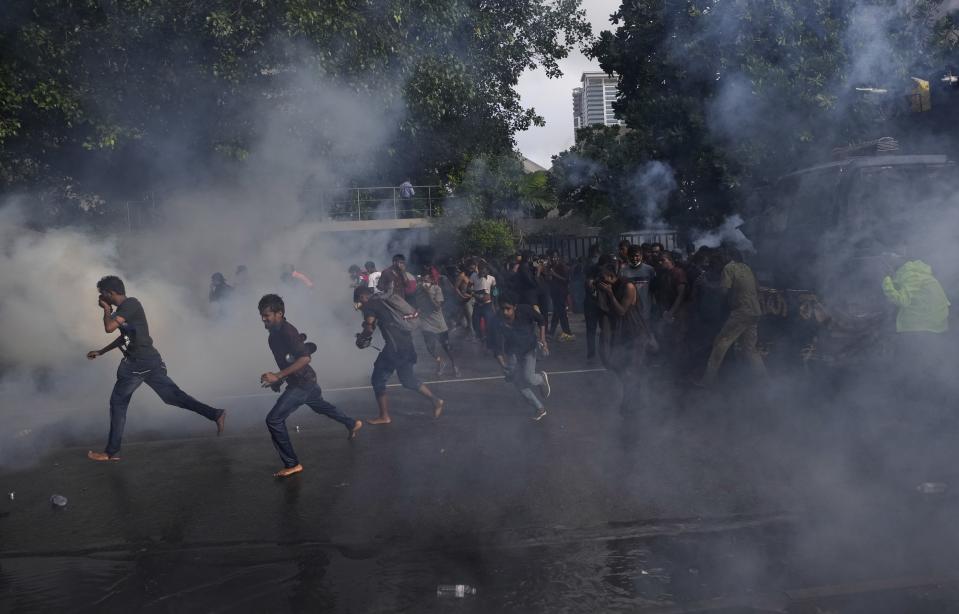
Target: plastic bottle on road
932,488
454,590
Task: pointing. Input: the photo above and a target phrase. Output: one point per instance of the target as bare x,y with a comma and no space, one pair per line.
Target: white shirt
482,283
375,279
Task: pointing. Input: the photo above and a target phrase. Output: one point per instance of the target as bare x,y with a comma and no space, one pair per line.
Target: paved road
701,500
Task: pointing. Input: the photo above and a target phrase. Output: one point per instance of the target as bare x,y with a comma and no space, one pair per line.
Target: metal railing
384,203
573,248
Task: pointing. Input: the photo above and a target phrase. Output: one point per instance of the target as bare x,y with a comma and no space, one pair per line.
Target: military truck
825,237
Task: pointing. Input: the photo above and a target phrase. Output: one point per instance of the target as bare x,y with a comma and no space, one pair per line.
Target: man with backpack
396,320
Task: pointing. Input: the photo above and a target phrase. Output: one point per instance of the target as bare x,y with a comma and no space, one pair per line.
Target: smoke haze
318,132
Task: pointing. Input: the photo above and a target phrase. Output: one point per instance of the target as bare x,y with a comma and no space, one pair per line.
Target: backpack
402,315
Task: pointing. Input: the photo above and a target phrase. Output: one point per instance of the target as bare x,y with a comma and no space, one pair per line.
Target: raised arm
629,299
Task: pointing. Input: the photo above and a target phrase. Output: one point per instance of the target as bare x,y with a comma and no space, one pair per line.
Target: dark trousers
591,314
482,311
132,373
289,402
559,312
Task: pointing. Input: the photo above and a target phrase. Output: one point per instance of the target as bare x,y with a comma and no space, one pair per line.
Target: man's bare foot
380,420
356,427
101,456
438,408
288,471
220,422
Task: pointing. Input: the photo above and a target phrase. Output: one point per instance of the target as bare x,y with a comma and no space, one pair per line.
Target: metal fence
384,203
572,248
139,215
668,237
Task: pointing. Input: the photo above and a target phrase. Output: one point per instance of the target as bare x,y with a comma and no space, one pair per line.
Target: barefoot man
293,359
398,353
141,364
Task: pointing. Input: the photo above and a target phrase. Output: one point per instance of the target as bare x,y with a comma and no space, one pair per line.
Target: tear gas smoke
651,185
726,233
322,133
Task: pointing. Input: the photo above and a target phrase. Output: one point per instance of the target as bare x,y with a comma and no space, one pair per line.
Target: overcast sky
553,98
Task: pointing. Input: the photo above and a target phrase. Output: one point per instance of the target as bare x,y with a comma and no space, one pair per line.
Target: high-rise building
593,102
577,108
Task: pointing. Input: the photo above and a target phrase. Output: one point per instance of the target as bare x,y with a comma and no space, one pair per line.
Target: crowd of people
642,306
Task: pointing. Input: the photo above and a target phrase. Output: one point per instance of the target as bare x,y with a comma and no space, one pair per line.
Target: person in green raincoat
922,303
921,347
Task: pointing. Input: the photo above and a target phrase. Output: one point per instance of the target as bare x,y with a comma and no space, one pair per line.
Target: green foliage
488,238
732,93
497,186
110,86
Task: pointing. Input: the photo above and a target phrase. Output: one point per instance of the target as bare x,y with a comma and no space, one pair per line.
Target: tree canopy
732,93
96,90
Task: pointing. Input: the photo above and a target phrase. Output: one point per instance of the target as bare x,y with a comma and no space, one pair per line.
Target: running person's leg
171,394
730,332
404,370
432,342
525,377
382,370
288,402
445,342
317,403
127,383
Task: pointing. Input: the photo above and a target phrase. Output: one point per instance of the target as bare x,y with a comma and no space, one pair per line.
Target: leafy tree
487,238
498,187
110,92
732,93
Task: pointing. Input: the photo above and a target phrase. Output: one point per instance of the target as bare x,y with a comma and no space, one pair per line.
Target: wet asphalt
699,501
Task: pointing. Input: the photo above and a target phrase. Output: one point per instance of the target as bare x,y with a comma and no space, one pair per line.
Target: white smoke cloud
651,185
726,233
321,132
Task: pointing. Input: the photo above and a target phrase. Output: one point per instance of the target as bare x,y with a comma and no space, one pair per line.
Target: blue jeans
289,402
522,372
384,366
130,374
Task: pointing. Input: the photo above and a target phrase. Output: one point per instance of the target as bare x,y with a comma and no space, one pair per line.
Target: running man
141,364
436,334
392,315
519,330
293,360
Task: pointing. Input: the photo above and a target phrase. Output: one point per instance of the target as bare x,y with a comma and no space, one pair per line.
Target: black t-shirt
287,346
521,335
135,331
398,342
559,285
523,283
